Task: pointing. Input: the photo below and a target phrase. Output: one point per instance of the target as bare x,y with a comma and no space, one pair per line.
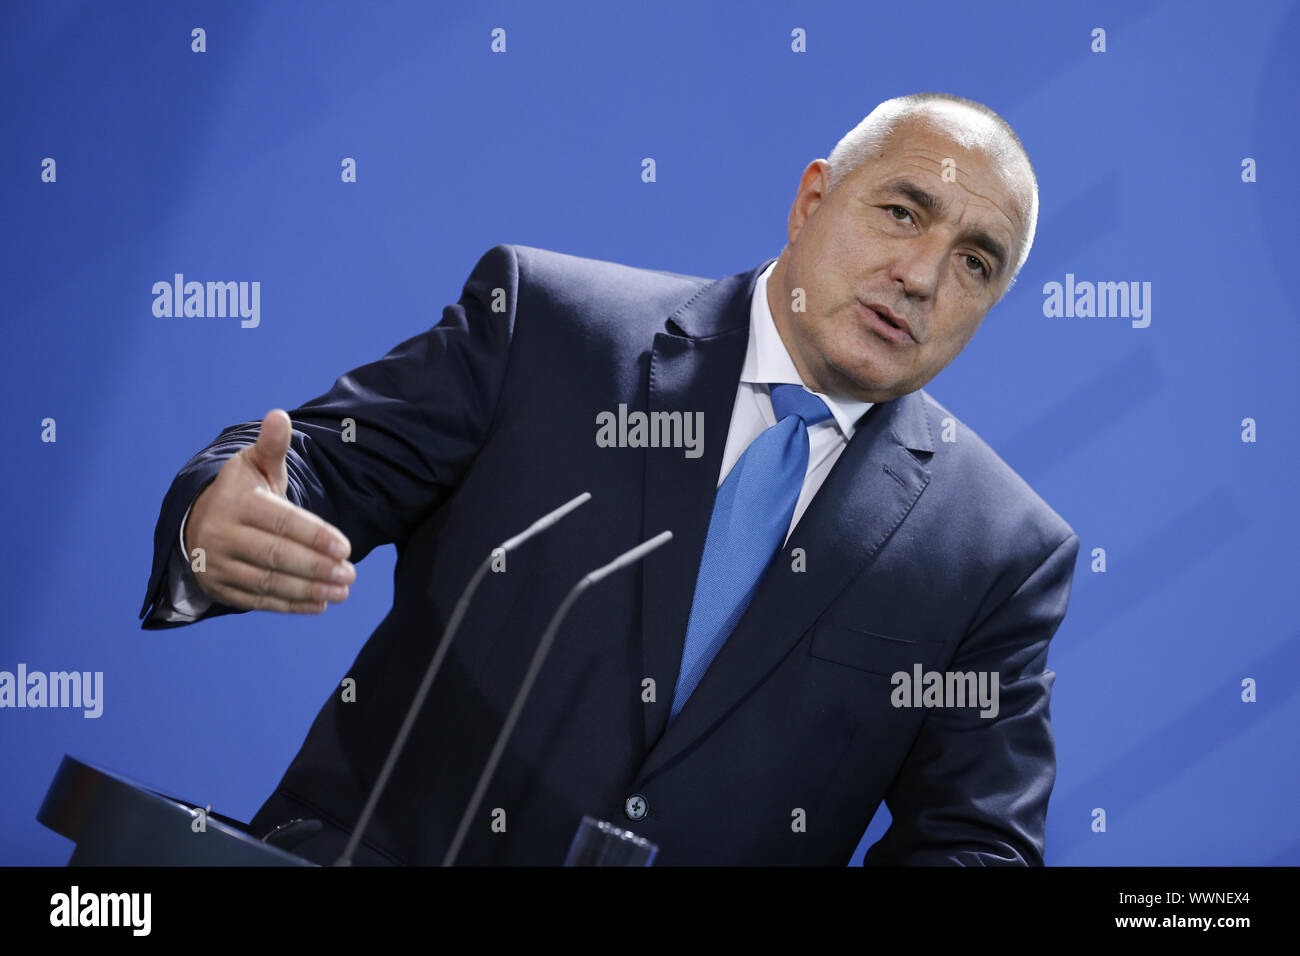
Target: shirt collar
768,363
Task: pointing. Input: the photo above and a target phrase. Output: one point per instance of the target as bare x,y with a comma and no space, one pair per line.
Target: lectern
115,821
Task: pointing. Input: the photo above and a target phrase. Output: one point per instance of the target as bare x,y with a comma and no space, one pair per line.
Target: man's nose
918,265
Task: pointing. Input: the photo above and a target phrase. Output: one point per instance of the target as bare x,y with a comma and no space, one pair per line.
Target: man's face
895,235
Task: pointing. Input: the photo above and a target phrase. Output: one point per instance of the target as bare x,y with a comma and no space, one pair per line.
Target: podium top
116,821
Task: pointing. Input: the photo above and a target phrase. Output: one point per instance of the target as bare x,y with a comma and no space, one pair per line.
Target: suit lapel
694,367
869,492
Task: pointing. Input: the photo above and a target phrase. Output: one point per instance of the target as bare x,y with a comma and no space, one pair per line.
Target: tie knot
790,400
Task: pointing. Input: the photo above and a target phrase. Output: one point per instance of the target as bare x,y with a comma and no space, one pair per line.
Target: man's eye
893,210
975,265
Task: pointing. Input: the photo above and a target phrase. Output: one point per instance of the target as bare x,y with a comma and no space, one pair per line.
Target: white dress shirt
766,363
181,600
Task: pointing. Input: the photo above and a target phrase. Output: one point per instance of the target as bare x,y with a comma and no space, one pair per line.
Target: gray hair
990,132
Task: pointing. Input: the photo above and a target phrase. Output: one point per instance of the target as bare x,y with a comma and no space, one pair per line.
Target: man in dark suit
843,545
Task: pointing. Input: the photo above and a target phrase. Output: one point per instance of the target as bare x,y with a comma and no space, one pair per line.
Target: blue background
225,166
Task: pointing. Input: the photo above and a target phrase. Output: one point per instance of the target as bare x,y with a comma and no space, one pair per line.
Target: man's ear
806,179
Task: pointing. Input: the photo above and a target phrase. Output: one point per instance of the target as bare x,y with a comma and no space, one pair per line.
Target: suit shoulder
602,297
586,285
986,479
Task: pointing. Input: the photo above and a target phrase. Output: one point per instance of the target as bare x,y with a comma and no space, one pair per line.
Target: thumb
268,453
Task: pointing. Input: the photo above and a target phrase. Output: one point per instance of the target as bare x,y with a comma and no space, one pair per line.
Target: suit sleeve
973,790
390,440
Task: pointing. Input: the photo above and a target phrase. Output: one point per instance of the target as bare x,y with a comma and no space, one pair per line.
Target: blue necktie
751,515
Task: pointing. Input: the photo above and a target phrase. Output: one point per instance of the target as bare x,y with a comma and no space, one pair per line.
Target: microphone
539,657
462,604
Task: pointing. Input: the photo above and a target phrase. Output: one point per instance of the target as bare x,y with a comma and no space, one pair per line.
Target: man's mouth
889,325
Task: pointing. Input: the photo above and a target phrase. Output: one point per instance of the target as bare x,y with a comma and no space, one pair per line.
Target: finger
284,519
264,549
252,579
267,454
250,601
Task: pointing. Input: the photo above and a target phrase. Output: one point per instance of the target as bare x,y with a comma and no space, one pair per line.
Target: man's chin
866,384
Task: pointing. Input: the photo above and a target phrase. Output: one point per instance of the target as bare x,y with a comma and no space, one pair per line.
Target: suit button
635,807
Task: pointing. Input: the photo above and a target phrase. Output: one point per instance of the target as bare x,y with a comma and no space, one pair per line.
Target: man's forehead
978,155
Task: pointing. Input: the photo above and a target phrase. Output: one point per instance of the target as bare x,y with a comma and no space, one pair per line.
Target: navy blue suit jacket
916,550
